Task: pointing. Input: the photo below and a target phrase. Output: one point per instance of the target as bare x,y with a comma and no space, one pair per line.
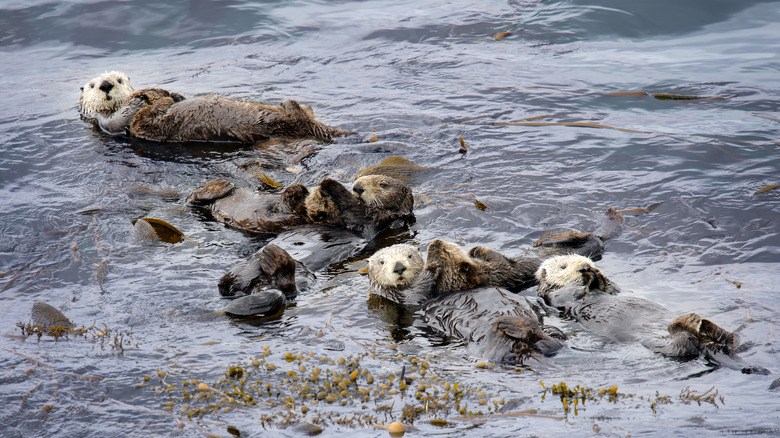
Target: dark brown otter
268,279
250,210
336,225
572,284
328,204
496,326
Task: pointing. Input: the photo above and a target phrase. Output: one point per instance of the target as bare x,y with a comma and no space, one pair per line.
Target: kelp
148,228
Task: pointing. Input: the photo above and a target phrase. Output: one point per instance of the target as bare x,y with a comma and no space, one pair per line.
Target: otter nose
357,188
584,269
106,86
399,268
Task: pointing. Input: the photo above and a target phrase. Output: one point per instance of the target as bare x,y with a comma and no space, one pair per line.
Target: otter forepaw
211,191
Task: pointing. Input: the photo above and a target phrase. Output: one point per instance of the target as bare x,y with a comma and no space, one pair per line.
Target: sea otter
267,277
250,210
328,204
338,225
449,291
573,284
157,115
449,268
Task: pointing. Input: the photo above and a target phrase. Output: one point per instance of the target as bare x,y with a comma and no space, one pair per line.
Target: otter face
321,209
384,192
559,271
104,94
395,267
452,268
332,204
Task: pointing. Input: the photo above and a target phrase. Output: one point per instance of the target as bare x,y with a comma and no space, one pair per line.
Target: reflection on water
418,78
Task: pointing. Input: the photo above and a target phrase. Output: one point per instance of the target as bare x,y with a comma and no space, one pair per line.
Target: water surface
418,77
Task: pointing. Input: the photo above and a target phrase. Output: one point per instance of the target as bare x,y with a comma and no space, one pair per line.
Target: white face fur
104,94
396,266
561,270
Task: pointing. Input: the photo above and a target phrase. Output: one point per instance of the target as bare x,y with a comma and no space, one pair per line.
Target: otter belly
496,326
317,246
251,211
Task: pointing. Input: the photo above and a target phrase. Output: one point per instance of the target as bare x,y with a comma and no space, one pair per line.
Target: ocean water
555,131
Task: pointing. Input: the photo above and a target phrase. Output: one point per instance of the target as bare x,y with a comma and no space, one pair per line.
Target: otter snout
358,189
106,87
399,268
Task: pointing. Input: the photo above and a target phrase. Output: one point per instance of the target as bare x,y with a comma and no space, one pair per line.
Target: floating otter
250,210
450,269
572,284
496,326
337,226
268,277
158,115
328,204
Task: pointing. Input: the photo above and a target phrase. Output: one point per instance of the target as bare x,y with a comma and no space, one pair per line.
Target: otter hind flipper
211,191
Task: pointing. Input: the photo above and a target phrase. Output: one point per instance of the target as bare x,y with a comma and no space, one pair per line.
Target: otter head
272,267
384,192
394,268
570,269
104,94
332,204
452,269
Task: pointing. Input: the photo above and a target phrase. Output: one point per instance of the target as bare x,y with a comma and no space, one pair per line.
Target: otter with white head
496,325
573,284
157,115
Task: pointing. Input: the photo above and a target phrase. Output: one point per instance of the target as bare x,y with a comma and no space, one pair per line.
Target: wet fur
157,115
576,287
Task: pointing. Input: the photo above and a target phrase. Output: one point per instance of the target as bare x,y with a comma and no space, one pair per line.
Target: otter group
471,296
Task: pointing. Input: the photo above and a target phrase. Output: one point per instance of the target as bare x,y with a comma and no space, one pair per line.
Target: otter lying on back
328,226
449,287
158,115
574,285
329,204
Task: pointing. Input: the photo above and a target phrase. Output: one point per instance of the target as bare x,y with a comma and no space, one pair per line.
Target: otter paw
211,191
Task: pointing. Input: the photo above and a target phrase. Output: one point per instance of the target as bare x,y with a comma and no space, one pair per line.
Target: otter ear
81,88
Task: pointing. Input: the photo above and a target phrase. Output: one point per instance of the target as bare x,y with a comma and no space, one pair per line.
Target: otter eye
410,256
465,267
119,81
563,266
381,262
91,85
319,217
383,186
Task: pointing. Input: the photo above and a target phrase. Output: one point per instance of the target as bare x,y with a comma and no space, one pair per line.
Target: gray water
418,77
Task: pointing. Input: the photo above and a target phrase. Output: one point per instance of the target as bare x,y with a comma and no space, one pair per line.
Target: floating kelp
766,188
573,124
47,320
313,388
151,229
463,148
501,35
664,96
394,166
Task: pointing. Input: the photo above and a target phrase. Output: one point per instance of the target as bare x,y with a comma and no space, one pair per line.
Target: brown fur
454,270
158,115
384,192
270,267
249,210
215,118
